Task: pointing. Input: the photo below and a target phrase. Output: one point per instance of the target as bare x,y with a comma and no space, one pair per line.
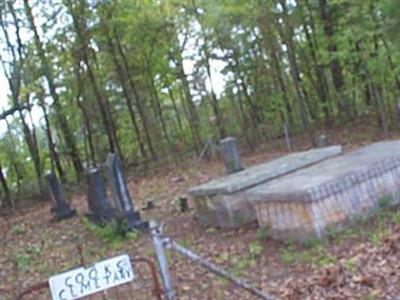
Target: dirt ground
362,262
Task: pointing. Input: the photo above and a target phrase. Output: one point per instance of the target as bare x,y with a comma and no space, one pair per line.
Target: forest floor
362,262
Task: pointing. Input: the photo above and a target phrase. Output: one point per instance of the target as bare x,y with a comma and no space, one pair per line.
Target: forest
153,80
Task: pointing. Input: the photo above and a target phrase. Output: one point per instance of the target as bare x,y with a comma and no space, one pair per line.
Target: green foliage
350,265
396,217
255,248
240,264
18,229
22,261
263,233
288,256
23,258
316,255
111,232
135,55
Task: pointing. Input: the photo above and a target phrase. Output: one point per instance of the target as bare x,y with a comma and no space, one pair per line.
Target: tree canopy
151,80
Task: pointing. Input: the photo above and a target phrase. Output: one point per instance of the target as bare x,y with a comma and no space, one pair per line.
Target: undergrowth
112,232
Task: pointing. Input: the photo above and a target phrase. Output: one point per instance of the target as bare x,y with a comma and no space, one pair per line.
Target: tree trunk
55,159
335,65
193,118
157,106
176,111
13,159
214,100
86,119
121,75
6,190
80,28
137,98
295,72
14,80
48,73
321,85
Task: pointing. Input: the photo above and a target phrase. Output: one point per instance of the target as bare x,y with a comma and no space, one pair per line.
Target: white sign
81,282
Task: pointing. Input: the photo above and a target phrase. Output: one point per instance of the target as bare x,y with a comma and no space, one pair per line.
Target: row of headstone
100,209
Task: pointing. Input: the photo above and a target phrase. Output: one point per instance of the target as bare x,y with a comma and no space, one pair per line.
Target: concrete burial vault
302,194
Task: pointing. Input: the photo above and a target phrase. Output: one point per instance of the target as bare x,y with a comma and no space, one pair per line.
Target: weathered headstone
122,200
322,141
230,155
100,209
61,208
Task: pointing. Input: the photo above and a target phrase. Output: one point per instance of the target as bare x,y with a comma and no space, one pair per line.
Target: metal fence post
159,244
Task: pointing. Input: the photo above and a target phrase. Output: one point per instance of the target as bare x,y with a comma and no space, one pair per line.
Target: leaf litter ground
362,262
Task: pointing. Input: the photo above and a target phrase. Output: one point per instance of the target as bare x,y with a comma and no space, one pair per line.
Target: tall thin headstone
99,206
61,208
230,155
121,198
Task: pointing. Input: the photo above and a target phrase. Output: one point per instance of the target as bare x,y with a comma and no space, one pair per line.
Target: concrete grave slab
330,193
224,203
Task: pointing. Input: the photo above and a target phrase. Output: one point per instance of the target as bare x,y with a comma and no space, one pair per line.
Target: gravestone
121,198
230,155
61,208
100,209
322,141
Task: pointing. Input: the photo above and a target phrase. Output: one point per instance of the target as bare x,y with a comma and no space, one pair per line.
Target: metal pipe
159,245
215,269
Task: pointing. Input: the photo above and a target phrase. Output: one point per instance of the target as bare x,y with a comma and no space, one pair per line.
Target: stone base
225,211
63,213
101,218
134,222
